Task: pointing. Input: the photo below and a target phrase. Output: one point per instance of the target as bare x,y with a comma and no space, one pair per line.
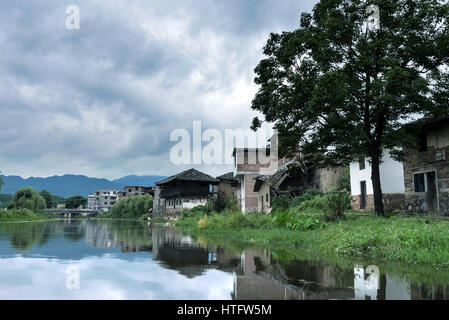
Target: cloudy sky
103,100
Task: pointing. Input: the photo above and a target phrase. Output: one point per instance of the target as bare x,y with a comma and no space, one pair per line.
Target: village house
426,170
184,190
132,191
391,178
227,189
293,179
102,200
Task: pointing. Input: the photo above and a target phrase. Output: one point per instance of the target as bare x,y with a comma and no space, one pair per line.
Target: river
87,259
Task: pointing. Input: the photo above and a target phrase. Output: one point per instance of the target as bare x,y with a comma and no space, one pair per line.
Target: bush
131,208
28,198
290,220
281,203
335,204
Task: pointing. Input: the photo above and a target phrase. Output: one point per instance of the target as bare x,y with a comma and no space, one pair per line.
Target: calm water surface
81,259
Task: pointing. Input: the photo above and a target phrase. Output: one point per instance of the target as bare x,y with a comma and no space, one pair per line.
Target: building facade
102,200
392,182
132,191
427,169
186,190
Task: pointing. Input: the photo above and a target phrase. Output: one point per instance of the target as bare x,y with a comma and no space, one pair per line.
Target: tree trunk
377,189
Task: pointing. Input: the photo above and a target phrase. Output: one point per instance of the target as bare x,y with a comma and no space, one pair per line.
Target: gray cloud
103,100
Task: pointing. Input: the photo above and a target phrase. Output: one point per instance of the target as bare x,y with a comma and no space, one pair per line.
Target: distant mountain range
73,185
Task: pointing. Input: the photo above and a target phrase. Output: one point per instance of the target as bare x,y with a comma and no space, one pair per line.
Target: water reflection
130,260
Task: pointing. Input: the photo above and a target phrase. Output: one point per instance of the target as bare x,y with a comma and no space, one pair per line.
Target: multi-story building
132,191
102,200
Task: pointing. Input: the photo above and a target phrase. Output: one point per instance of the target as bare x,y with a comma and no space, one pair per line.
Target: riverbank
413,240
21,215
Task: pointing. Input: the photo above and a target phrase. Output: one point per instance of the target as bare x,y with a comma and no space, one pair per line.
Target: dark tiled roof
227,176
189,175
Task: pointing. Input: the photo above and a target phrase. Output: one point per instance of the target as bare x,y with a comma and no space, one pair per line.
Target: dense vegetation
75,202
137,208
26,204
304,223
5,200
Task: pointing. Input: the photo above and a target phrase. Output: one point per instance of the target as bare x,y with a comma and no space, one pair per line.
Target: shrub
281,203
131,208
335,204
290,220
203,222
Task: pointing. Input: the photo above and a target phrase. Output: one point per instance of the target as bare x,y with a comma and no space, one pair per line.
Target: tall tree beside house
340,87
1,182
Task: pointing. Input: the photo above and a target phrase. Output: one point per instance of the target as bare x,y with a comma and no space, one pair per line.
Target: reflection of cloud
107,278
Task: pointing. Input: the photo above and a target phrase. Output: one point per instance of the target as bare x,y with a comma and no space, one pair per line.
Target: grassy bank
395,239
23,215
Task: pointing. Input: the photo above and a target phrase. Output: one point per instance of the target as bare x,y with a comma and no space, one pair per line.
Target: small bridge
71,213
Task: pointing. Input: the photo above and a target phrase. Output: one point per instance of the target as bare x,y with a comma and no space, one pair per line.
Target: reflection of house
391,178
132,191
102,200
427,168
185,190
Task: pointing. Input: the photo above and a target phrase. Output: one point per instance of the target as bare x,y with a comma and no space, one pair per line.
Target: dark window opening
362,163
422,142
420,184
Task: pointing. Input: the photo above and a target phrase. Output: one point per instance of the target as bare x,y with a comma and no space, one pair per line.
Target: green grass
23,215
412,240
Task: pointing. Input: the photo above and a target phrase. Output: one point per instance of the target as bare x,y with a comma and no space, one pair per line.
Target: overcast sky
102,100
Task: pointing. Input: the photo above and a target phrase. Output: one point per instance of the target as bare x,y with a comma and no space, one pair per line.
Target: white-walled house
392,183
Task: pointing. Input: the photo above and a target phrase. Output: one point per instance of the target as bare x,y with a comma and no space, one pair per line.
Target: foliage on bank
305,224
135,208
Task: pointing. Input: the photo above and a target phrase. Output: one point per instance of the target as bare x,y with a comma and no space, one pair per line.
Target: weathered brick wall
416,162
251,197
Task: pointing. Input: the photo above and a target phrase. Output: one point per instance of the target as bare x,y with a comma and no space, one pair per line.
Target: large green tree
75,202
49,201
340,87
28,198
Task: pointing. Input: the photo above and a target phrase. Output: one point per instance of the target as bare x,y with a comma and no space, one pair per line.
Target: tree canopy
28,198
340,89
75,202
49,201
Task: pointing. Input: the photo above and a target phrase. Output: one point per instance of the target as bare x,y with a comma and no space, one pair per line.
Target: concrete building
392,182
102,200
427,168
185,190
132,191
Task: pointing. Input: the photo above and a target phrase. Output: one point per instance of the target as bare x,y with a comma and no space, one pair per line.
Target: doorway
362,195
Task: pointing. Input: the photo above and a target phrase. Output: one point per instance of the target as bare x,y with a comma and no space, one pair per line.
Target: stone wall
433,159
391,201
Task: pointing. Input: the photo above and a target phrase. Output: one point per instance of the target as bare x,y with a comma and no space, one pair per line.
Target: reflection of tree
24,236
74,230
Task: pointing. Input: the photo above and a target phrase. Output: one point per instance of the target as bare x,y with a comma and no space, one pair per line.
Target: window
420,182
422,142
362,163
267,197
